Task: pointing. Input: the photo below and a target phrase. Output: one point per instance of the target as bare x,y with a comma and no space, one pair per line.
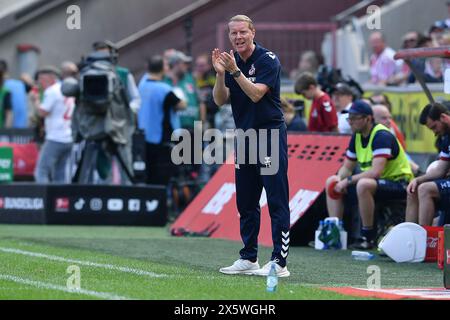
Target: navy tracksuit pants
249,185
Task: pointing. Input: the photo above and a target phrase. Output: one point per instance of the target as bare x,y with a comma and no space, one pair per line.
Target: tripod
88,162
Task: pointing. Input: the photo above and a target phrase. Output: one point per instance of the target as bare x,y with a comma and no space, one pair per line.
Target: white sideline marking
49,286
84,263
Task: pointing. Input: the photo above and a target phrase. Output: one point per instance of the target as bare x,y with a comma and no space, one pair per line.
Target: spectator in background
293,120
69,69
205,77
382,63
157,117
447,21
5,104
180,76
309,61
385,170
343,98
323,116
19,99
57,111
182,80
436,31
410,40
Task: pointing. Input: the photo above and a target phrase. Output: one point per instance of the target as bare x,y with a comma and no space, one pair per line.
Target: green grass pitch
147,263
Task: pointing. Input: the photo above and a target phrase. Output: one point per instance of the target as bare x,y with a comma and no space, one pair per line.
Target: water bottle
341,225
362,255
321,223
272,279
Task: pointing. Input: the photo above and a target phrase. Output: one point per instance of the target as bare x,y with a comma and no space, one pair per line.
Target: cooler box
432,243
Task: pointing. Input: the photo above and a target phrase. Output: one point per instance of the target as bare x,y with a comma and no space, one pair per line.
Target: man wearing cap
57,111
385,171
179,76
343,98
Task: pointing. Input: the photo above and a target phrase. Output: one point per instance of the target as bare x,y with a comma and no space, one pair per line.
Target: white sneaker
264,271
241,266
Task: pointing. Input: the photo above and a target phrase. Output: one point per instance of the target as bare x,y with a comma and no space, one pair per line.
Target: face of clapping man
241,37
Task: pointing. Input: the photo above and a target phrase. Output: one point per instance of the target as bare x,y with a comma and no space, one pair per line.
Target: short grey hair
243,18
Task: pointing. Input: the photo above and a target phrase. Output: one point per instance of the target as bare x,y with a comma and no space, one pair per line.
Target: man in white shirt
343,97
382,64
57,111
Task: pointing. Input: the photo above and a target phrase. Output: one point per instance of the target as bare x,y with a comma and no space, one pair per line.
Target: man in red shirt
323,115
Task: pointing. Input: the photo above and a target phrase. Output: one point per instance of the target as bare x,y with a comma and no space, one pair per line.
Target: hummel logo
268,162
285,248
284,254
271,55
285,235
285,241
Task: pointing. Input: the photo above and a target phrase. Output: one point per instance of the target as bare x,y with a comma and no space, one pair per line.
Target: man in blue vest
19,98
250,78
158,119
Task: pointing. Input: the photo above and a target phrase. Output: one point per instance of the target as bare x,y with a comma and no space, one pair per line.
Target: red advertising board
25,158
312,159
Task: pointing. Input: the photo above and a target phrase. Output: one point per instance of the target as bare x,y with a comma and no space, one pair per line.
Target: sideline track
49,286
84,263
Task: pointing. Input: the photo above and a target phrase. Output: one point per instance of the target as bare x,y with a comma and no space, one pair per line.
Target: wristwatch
236,74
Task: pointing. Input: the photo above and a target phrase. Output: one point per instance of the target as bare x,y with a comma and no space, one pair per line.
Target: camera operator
102,117
132,95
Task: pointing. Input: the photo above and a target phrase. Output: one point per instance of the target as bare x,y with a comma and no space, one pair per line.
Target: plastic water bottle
362,255
272,279
321,223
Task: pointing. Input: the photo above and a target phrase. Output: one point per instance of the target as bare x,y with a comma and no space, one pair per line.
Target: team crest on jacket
252,70
327,106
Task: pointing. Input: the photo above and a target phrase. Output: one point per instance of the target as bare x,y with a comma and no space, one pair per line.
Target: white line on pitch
49,286
84,263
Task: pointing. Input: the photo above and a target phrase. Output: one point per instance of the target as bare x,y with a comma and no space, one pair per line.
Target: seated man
383,116
385,171
434,186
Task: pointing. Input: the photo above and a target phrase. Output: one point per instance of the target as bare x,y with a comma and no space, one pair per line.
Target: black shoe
364,244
